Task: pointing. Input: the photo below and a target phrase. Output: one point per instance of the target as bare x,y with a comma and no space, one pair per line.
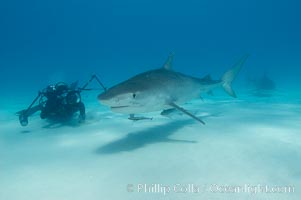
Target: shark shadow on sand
140,139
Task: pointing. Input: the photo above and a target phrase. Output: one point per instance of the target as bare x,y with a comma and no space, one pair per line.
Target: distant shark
163,89
263,86
263,83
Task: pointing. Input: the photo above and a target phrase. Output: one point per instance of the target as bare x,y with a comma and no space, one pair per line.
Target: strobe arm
24,114
91,79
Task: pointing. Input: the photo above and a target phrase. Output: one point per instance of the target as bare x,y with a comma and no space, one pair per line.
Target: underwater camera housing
73,97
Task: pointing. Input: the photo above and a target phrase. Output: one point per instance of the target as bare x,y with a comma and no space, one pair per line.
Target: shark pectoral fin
186,112
168,111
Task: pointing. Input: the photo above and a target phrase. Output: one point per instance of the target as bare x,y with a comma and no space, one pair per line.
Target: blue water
43,42
117,39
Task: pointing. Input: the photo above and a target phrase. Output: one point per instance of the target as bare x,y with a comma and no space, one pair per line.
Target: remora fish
162,89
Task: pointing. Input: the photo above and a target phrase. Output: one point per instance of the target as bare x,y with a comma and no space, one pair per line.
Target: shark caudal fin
230,75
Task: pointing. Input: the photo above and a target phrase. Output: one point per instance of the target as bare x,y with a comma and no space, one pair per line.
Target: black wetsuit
56,108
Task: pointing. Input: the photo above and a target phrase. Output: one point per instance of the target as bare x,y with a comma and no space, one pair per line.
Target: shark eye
134,95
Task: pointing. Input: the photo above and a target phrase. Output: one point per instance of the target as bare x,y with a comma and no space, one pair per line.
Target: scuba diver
58,102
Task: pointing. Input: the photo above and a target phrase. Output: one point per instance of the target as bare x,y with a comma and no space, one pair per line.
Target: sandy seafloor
246,141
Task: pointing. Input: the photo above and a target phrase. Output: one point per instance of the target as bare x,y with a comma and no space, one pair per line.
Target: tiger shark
163,89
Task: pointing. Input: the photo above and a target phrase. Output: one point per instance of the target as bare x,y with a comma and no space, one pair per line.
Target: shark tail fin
230,75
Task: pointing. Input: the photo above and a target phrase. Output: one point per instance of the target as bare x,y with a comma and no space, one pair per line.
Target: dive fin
168,63
230,75
186,112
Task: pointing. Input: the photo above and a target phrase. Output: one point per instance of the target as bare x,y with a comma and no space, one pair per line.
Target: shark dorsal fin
168,63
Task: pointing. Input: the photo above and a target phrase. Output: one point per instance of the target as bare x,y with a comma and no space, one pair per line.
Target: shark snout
104,99
109,100
101,97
